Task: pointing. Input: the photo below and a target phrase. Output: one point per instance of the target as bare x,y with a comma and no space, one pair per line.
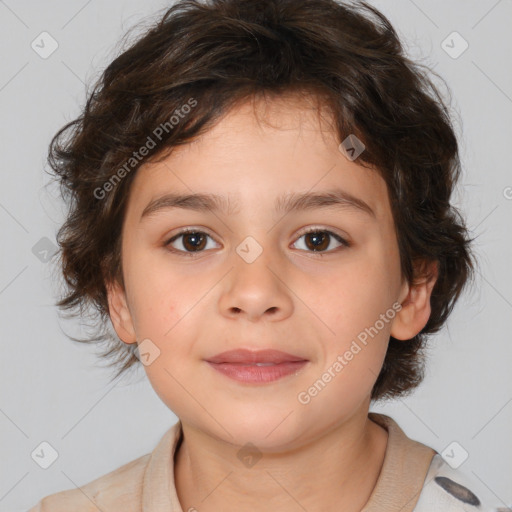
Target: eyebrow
288,202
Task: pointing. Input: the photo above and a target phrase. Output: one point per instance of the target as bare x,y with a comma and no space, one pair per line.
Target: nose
256,290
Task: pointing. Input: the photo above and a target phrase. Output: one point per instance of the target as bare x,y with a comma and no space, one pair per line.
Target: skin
327,454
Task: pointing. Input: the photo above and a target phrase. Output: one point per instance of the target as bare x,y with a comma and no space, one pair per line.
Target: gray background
53,389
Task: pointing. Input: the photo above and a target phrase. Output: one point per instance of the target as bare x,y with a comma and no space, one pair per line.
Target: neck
335,471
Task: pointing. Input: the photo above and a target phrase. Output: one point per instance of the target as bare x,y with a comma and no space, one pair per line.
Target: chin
268,432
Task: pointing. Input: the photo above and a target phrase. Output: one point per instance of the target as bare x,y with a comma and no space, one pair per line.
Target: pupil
196,239
318,239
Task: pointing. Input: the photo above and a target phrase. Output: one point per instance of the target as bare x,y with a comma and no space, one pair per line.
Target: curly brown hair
211,55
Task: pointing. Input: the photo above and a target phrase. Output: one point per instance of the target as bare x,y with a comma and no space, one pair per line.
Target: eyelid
191,229
314,229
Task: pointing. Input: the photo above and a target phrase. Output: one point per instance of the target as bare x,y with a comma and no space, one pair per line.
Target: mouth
256,367
255,357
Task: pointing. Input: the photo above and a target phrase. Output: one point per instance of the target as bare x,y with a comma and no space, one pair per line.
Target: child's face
193,306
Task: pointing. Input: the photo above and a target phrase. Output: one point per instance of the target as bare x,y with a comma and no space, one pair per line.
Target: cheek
155,297
158,295
358,293
358,308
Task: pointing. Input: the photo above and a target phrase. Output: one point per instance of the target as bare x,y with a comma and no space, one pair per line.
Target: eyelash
301,234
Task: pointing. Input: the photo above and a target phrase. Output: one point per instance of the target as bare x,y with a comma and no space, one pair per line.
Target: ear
415,300
119,313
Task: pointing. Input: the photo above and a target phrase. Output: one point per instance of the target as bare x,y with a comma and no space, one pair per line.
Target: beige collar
398,487
403,472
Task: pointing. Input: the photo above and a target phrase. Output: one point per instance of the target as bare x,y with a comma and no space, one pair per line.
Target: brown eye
191,241
318,240
194,241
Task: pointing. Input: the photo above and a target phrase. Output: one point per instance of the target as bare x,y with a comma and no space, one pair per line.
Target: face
307,281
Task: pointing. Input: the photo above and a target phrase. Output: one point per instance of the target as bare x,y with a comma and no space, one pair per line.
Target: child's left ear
119,313
415,300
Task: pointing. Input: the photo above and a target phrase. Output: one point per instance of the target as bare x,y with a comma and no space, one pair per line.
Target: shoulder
118,490
449,490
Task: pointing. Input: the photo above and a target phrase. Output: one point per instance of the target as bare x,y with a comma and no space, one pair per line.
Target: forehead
287,115
262,149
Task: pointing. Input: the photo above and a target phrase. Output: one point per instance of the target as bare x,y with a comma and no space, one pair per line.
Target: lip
244,356
242,365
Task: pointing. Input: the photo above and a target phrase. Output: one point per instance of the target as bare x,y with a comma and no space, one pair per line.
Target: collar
403,472
158,487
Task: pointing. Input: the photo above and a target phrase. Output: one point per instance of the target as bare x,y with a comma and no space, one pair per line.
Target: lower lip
253,374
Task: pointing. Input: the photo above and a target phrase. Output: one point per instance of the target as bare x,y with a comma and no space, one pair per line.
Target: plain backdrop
53,390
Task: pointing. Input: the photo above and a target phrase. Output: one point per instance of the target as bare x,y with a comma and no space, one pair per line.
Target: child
260,205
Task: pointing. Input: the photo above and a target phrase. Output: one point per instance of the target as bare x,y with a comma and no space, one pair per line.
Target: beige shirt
147,484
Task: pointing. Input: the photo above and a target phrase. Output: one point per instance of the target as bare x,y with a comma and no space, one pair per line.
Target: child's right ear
120,313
